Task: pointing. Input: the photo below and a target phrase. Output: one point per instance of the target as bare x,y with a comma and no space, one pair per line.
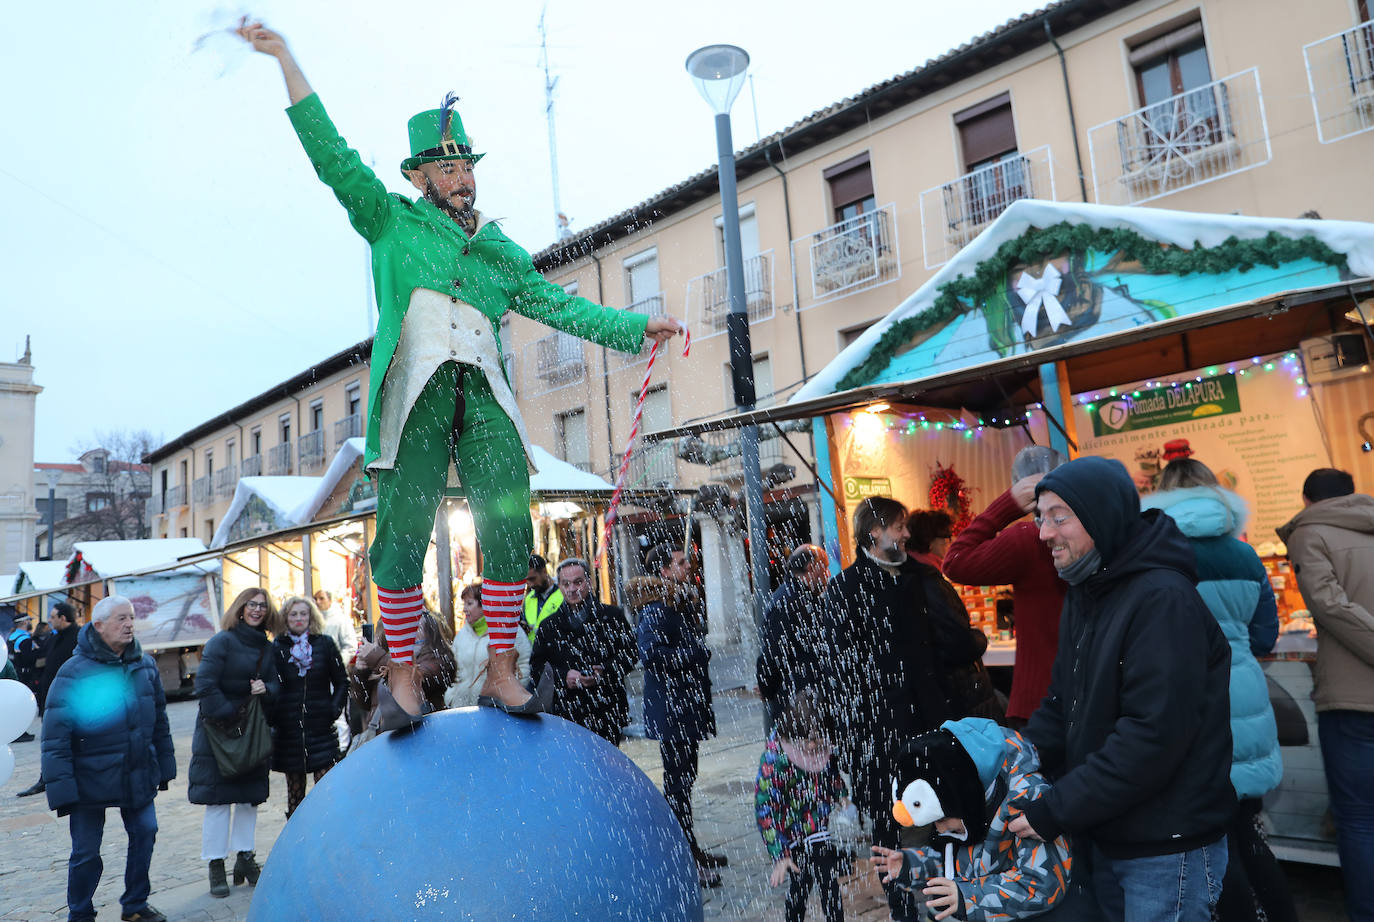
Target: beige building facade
1222,106
292,429
1254,107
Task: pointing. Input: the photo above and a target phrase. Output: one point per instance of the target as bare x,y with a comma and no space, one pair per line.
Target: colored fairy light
1255,360
968,433
1268,366
924,423
1212,371
1302,392
1090,407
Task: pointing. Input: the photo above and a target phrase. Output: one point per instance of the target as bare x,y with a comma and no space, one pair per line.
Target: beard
892,553
458,205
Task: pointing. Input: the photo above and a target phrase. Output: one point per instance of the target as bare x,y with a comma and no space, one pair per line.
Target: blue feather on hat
445,111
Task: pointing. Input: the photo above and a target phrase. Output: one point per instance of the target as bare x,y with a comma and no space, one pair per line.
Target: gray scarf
1081,568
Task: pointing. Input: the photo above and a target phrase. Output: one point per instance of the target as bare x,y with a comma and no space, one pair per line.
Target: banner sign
858,488
1165,406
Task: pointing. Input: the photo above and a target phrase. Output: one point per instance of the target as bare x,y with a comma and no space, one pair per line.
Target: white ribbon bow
1042,291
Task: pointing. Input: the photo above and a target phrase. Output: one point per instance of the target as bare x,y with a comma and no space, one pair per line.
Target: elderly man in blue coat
106,744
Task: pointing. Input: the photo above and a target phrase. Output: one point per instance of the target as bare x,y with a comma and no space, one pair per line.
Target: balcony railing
1180,142
200,490
176,497
311,450
1340,73
252,467
720,452
652,306
654,466
708,296
155,507
279,459
225,480
955,213
557,360
350,427
851,256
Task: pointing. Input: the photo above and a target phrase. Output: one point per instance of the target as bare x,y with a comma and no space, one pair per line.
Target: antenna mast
560,221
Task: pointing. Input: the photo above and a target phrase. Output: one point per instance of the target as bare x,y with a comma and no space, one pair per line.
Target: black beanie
1103,496
939,759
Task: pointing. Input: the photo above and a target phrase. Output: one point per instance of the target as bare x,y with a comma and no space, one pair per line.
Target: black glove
163,786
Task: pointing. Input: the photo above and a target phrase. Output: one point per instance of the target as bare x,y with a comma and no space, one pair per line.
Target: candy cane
630,442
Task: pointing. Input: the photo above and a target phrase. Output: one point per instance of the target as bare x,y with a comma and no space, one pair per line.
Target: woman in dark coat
959,647
314,689
236,663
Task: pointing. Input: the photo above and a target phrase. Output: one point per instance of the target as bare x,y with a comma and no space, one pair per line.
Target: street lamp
719,72
52,475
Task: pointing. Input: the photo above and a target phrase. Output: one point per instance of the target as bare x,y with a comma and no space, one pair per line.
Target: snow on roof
41,574
1184,229
282,494
344,460
113,558
556,475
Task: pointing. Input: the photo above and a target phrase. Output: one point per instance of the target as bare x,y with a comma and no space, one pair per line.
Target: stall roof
558,476
1183,229
117,558
993,380
41,574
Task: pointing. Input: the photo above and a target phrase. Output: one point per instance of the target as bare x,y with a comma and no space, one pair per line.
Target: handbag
241,743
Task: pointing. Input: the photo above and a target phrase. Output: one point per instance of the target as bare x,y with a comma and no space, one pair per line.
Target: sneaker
146,914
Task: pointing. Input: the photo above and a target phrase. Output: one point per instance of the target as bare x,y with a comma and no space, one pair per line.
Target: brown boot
503,690
399,701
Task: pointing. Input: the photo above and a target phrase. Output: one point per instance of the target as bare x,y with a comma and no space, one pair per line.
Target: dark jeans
679,774
819,864
1347,741
87,825
1254,879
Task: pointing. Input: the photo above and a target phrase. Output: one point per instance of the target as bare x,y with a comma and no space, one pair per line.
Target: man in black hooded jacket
1135,729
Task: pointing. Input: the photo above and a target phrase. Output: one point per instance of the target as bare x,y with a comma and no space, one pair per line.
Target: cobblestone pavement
34,843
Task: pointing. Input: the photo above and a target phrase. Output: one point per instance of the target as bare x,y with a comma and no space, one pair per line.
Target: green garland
1157,258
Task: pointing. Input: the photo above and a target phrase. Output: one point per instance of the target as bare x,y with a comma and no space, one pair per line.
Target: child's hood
985,741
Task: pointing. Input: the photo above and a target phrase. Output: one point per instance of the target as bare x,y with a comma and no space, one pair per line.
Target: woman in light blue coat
1234,584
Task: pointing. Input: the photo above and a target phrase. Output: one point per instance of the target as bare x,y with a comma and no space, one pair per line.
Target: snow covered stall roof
969,321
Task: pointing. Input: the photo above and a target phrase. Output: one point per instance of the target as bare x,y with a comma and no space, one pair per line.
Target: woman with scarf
314,689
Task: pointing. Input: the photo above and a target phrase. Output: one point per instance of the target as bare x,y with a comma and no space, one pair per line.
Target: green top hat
437,134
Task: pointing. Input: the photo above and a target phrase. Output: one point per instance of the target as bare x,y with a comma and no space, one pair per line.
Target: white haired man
106,744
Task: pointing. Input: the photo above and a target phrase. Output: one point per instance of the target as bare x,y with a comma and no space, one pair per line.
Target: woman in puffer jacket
1233,583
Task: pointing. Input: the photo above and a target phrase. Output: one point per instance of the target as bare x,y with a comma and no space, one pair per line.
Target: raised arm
271,43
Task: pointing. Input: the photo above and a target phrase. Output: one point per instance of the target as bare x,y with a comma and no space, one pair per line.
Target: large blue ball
479,815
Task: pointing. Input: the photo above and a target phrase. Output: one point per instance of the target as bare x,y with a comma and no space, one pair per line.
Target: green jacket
415,245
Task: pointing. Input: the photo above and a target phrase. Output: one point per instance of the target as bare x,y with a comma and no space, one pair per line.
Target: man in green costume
438,388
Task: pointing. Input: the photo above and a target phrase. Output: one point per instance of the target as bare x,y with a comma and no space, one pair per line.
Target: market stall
1134,333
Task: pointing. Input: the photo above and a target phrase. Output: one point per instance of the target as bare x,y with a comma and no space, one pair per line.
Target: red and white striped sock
501,603
401,612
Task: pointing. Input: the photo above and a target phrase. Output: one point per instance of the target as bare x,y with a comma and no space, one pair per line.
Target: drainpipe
787,213
1073,122
605,371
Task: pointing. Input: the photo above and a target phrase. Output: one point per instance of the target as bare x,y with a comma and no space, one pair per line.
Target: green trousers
455,417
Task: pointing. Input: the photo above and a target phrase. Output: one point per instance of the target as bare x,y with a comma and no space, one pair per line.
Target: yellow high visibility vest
536,613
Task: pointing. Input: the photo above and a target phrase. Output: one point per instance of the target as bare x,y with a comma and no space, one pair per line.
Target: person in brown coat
434,663
1331,545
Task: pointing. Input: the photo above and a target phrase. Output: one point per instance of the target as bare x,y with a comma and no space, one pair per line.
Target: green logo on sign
1166,405
856,488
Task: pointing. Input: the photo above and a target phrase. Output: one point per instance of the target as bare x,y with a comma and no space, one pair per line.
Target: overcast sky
167,246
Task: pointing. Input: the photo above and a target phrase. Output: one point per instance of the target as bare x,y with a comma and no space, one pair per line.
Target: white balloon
4,652
6,764
17,709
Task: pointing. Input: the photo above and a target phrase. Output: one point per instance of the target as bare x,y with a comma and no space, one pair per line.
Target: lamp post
52,477
719,73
